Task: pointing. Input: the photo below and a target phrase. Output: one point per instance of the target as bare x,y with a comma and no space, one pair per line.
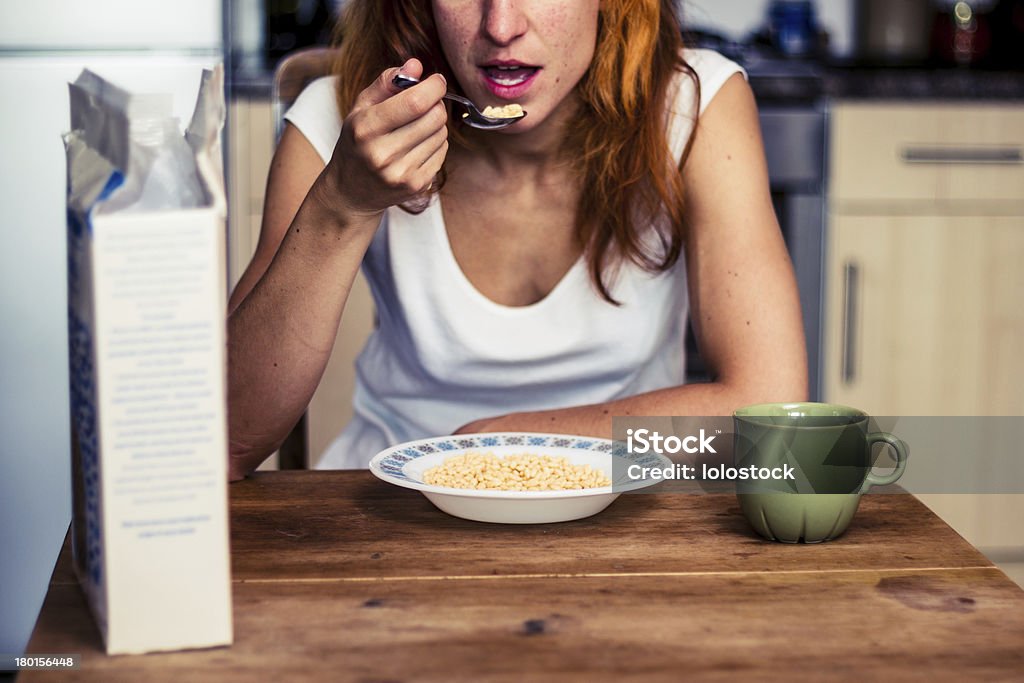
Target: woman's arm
284,311
744,304
318,223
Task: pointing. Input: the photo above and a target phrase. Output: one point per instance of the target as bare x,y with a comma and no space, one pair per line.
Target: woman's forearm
281,335
705,399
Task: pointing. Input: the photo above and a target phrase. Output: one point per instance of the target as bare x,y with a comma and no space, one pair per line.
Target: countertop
842,82
339,576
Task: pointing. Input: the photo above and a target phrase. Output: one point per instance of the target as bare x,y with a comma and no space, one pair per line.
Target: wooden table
338,576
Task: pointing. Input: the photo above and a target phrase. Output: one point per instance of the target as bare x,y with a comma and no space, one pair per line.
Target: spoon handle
402,81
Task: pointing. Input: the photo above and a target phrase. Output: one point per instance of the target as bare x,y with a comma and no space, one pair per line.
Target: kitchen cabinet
251,148
925,314
924,284
926,158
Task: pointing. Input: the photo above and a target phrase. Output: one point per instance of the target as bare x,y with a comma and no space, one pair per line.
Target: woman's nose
504,20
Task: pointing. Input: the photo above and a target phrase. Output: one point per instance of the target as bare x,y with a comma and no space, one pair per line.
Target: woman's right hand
392,144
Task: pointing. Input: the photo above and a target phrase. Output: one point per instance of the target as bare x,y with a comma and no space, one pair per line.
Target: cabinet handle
851,280
999,156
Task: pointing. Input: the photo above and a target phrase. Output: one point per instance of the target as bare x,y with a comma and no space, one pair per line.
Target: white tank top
444,354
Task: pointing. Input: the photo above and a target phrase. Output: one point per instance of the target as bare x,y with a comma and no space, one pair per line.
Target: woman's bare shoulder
315,114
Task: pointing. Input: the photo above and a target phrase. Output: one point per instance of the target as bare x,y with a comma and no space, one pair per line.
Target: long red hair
629,180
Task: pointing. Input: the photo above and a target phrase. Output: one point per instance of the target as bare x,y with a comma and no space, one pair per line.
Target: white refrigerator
144,45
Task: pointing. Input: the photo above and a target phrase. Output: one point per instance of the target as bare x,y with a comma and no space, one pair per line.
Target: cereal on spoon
508,111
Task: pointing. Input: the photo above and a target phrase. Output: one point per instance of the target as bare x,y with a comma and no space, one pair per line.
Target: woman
536,278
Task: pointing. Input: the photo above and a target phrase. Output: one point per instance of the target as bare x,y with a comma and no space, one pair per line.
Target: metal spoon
473,116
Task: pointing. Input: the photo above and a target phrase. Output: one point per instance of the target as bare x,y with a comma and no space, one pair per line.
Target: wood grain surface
939,625
357,526
341,578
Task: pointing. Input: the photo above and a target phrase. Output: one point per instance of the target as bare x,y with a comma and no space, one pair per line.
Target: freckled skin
557,35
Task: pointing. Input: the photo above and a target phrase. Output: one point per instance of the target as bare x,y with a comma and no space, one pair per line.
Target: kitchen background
894,132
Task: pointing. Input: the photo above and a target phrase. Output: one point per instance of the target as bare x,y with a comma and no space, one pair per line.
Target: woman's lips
508,81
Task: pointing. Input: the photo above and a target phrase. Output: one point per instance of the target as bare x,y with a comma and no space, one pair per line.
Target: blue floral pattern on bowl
404,465
395,461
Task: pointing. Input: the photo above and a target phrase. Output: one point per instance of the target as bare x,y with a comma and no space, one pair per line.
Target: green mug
821,456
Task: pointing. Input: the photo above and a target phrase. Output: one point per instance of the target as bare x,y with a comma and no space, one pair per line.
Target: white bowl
404,465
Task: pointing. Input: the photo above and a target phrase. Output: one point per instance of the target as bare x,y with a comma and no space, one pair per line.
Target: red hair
629,180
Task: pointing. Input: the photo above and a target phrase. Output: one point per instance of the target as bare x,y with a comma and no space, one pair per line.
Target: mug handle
901,460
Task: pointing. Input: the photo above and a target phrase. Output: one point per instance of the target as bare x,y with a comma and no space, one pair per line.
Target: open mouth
508,80
509,76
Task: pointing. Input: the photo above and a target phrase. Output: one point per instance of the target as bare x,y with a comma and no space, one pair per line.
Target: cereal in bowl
514,473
